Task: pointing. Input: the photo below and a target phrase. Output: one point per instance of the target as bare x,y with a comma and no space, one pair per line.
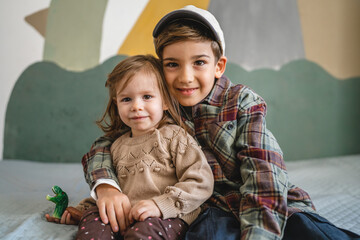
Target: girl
161,170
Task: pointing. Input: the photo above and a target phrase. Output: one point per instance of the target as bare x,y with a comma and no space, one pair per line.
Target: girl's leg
91,227
157,228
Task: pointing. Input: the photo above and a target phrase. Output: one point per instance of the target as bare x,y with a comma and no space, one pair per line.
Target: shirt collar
216,95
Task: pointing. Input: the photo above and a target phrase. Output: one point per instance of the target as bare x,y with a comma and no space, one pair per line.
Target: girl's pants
216,224
91,227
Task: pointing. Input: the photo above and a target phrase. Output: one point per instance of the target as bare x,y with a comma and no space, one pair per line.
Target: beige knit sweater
166,166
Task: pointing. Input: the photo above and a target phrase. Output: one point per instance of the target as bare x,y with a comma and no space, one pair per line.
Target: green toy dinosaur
60,199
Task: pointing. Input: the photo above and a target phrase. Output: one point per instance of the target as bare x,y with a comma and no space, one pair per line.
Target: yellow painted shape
140,40
331,34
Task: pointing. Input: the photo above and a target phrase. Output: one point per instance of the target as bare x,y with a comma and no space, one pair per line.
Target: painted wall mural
273,46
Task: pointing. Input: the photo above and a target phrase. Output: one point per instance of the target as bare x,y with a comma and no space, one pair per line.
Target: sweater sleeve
195,179
263,205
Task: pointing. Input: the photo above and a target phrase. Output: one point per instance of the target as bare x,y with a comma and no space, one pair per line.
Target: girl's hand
144,209
65,219
114,207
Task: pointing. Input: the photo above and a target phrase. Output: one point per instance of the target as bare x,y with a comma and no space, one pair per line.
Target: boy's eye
199,62
147,97
171,64
126,99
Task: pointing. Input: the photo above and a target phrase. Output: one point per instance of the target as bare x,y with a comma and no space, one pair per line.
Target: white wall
20,46
120,16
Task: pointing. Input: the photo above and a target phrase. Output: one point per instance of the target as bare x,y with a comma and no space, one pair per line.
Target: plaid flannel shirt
249,172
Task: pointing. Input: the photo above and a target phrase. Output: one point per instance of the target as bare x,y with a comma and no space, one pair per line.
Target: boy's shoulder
239,95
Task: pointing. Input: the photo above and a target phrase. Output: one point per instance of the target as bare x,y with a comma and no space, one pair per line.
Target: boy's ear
220,67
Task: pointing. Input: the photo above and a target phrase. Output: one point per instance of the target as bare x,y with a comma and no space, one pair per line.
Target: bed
333,184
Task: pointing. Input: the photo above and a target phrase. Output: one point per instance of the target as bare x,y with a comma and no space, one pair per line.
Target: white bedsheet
333,184
334,187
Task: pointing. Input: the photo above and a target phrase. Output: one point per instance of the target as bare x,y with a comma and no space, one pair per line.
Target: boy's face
190,70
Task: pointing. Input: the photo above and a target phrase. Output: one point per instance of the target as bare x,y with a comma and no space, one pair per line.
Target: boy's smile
190,70
187,91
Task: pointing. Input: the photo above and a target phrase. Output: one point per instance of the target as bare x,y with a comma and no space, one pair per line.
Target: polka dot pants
157,228
92,228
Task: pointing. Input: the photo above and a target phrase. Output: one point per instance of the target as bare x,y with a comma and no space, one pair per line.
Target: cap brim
183,15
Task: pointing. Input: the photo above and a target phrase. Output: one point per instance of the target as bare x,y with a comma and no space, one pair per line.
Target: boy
253,198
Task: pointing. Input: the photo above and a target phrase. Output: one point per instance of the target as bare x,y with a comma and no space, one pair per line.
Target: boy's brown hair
123,72
182,31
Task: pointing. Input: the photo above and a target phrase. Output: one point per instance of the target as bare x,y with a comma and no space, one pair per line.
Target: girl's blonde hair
110,122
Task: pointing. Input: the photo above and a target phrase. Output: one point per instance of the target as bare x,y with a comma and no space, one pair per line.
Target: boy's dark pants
91,227
217,224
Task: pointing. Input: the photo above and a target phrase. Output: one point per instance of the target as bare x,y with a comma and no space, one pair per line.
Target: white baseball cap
192,13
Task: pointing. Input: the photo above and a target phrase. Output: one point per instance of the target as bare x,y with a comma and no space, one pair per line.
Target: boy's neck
188,111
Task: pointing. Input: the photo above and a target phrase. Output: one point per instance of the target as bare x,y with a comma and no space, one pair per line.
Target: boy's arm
97,163
263,206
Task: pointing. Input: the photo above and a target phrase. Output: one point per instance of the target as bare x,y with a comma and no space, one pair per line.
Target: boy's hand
144,209
65,219
114,207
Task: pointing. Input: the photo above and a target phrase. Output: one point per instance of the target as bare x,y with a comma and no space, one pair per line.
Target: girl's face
139,103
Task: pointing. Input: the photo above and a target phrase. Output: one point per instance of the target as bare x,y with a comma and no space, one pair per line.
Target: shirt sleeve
97,163
103,181
263,205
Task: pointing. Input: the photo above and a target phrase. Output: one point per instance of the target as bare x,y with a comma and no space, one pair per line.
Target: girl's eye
147,97
199,62
127,99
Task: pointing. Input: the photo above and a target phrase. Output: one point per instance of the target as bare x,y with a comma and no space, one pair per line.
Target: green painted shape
52,112
73,33
311,113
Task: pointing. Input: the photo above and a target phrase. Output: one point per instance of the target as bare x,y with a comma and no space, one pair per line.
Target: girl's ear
114,100
165,107
220,67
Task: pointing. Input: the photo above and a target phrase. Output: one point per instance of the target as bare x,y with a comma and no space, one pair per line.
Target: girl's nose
186,75
137,105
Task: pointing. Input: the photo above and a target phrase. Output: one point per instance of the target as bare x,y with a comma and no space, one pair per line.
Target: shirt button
141,169
171,165
157,169
177,204
123,175
155,144
230,126
132,172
